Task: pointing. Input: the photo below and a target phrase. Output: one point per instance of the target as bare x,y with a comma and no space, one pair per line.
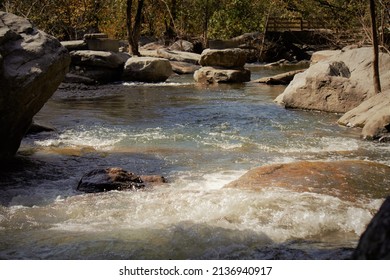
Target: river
198,137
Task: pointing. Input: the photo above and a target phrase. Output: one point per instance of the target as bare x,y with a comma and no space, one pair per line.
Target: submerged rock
32,66
348,180
103,180
336,83
374,244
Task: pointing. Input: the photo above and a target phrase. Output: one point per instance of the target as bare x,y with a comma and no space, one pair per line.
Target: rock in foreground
109,179
348,180
374,243
32,65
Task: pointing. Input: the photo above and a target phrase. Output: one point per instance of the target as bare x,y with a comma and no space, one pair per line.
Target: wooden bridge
277,24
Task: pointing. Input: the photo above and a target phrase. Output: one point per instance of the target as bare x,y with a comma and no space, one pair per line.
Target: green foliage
70,19
235,17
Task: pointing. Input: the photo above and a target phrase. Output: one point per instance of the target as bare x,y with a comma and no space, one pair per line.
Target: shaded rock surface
147,69
374,244
209,75
96,66
338,83
373,115
32,65
348,180
102,180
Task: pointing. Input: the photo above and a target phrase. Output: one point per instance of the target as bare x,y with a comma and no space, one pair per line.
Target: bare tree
134,28
377,82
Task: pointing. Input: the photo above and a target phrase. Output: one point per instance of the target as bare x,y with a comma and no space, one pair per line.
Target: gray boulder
147,69
210,75
179,56
182,45
336,83
184,67
373,116
32,65
226,58
98,66
374,244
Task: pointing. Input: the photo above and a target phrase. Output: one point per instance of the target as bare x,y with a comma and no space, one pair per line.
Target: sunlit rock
373,115
348,180
225,58
209,75
147,69
336,83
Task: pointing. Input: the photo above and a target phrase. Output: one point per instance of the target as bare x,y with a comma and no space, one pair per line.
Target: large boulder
98,66
114,178
225,58
210,75
374,244
348,180
337,83
373,115
147,69
32,65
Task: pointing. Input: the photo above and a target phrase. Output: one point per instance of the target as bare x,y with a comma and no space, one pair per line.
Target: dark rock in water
38,128
32,66
109,179
374,243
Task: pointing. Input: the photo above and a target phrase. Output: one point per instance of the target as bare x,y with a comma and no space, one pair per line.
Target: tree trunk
377,82
134,31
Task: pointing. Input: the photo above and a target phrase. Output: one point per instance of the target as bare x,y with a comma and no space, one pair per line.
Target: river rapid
200,138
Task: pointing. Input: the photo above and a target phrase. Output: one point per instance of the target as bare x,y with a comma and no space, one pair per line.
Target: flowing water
200,138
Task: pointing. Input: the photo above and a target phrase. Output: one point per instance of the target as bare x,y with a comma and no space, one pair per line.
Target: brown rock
226,58
348,180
